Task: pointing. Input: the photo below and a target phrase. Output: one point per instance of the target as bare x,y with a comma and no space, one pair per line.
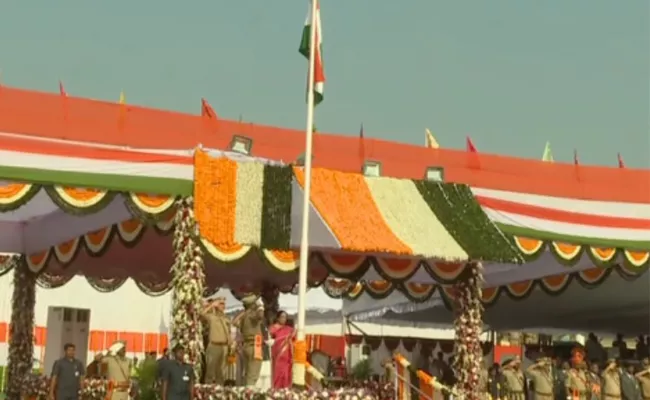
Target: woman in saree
282,352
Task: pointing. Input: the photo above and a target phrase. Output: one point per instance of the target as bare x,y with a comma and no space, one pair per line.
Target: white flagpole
299,369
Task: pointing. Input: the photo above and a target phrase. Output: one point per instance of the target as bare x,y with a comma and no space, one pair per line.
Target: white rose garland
248,205
410,218
188,281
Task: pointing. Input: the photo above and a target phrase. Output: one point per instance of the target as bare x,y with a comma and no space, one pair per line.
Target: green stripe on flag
112,182
642,245
276,209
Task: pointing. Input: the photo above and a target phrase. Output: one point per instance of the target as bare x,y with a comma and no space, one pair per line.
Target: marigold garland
460,213
468,324
346,204
188,286
215,187
276,212
21,330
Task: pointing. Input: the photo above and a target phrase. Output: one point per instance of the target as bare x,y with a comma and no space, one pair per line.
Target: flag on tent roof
576,161
62,91
548,154
430,140
122,98
305,50
621,164
207,110
362,150
470,145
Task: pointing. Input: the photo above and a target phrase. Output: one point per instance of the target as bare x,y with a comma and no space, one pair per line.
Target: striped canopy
366,228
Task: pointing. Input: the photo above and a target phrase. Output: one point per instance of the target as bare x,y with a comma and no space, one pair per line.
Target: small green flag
548,154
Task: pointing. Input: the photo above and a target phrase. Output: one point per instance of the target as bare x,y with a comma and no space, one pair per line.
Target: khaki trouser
516,396
120,395
215,363
252,367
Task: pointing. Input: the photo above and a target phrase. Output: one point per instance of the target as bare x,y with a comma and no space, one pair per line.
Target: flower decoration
188,286
21,331
37,387
468,325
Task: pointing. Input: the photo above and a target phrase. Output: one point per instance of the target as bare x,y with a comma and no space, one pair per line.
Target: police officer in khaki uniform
643,377
250,327
541,376
577,381
513,379
219,341
118,369
611,381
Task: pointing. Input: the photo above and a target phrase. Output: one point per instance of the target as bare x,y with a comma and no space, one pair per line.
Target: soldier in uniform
611,381
595,382
118,369
643,377
541,376
219,341
250,327
630,388
577,381
513,379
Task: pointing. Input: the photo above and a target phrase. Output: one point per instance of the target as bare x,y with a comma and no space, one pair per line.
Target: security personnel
542,377
577,382
513,379
611,381
630,389
178,378
250,327
219,341
643,377
67,376
118,369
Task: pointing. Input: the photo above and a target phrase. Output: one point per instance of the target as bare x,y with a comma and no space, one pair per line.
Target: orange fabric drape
96,341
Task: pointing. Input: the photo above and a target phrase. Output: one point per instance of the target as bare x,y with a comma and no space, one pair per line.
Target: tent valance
421,293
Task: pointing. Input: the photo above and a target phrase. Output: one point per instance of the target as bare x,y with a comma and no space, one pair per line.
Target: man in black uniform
178,378
67,376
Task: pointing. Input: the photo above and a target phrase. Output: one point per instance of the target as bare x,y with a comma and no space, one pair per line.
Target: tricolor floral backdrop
188,286
21,331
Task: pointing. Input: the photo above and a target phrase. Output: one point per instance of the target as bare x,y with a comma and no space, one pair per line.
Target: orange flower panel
215,198
345,203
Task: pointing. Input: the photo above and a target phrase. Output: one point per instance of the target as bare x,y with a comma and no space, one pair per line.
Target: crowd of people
245,340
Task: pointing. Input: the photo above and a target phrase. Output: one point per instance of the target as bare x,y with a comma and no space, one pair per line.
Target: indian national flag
305,50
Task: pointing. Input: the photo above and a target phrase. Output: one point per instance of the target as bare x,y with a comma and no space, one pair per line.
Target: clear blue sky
510,73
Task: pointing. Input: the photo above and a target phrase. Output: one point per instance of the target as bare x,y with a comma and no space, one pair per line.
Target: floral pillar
468,357
21,332
188,286
270,295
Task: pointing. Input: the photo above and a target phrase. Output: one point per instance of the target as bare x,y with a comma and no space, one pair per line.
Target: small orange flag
207,111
